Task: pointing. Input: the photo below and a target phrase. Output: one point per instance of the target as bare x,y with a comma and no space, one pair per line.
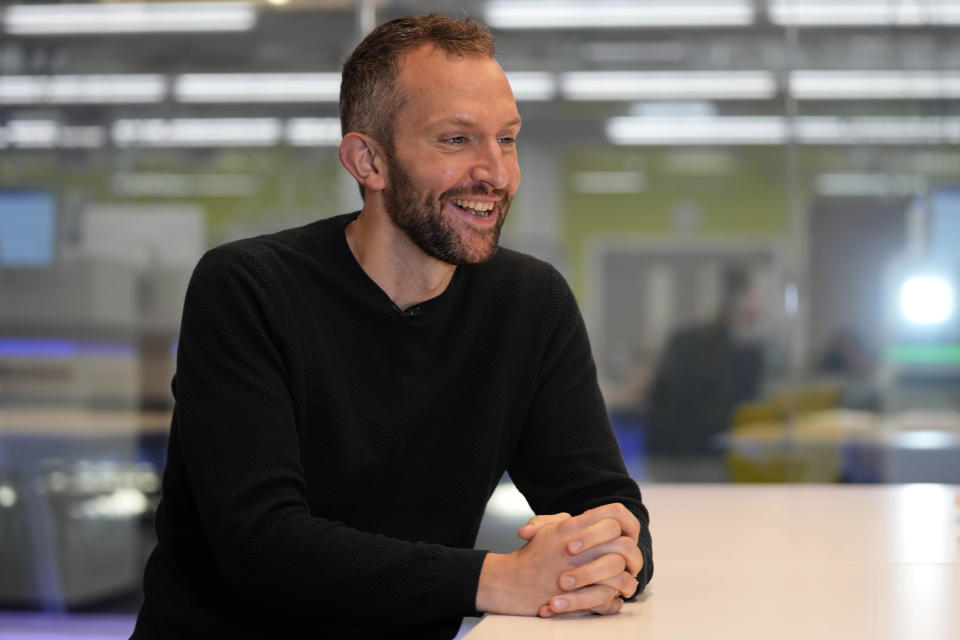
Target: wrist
493,583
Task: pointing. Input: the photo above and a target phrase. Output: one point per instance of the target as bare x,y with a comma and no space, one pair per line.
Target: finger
546,612
597,533
625,583
582,599
622,545
536,523
610,608
629,525
603,568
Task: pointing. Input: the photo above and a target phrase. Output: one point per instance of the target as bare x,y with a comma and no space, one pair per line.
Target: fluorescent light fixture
877,130
197,132
49,134
257,87
695,131
668,85
609,181
530,86
874,85
616,14
82,89
825,13
32,134
926,300
869,185
129,17
182,185
776,130
314,132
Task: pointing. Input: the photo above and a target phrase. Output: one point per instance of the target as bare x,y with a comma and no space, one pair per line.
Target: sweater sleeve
568,459
238,437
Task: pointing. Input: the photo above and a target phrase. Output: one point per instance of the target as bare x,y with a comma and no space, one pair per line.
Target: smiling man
349,393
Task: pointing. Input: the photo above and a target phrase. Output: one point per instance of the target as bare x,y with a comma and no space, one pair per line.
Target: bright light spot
8,497
507,502
58,481
121,504
926,300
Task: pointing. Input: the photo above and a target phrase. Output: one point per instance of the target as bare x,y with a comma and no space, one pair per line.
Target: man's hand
573,564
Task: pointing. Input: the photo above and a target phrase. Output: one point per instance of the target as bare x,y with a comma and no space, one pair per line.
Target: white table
785,562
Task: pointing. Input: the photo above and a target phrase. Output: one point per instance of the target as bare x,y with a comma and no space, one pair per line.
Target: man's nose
492,166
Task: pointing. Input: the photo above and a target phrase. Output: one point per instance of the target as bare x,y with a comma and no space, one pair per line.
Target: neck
398,266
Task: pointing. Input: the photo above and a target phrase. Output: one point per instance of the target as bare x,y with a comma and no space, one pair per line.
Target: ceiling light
857,85
532,85
776,130
608,181
870,185
185,185
85,89
129,17
668,85
48,134
309,132
693,131
257,87
197,132
864,12
926,300
32,134
877,130
561,14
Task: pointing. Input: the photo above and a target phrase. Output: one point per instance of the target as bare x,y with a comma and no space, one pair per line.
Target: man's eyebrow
466,121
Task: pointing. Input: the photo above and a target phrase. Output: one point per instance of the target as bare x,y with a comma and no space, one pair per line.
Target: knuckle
611,526
625,545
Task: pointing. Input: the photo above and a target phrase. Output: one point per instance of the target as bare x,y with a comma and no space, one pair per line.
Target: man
349,394
707,371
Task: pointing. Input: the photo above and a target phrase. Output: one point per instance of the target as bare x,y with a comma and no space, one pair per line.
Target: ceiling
309,36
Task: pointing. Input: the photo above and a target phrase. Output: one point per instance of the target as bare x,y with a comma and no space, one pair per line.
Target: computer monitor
27,227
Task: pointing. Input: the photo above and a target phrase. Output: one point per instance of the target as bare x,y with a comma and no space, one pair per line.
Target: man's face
453,170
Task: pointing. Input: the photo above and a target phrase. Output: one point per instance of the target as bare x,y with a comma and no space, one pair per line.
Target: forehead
438,86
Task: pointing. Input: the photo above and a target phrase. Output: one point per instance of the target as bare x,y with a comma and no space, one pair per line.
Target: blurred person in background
349,393
849,363
705,372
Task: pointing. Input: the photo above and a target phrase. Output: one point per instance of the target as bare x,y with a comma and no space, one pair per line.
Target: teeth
479,207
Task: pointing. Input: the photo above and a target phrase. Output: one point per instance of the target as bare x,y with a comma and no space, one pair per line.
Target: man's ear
363,157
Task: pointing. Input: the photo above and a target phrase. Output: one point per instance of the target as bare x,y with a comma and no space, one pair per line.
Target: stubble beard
420,216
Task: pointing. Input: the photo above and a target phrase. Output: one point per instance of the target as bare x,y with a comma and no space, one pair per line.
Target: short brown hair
369,95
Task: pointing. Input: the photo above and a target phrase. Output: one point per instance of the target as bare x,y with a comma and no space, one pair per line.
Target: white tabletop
785,561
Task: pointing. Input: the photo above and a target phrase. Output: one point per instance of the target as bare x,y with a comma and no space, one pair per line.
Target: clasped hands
570,565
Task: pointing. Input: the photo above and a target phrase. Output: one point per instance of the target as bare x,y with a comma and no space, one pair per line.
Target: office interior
756,203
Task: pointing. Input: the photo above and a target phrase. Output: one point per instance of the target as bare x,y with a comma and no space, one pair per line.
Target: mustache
459,192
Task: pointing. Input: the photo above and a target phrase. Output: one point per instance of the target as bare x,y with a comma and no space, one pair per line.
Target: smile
479,209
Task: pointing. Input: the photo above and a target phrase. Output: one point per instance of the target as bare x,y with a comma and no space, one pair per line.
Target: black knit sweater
330,457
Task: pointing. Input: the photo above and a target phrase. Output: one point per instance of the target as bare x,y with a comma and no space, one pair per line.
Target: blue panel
27,227
945,227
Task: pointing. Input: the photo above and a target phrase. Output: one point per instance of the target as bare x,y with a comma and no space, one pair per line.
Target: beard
420,216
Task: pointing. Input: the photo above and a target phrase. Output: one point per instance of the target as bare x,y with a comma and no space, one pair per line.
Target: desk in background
785,562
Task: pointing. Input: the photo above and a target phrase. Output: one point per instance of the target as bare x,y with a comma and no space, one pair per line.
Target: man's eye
457,140
508,140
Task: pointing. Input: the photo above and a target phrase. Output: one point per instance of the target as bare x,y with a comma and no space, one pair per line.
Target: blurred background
756,202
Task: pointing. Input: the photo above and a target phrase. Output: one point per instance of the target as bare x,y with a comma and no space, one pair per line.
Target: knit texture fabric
330,457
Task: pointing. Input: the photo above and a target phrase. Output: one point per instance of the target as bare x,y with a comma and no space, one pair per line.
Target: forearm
320,569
